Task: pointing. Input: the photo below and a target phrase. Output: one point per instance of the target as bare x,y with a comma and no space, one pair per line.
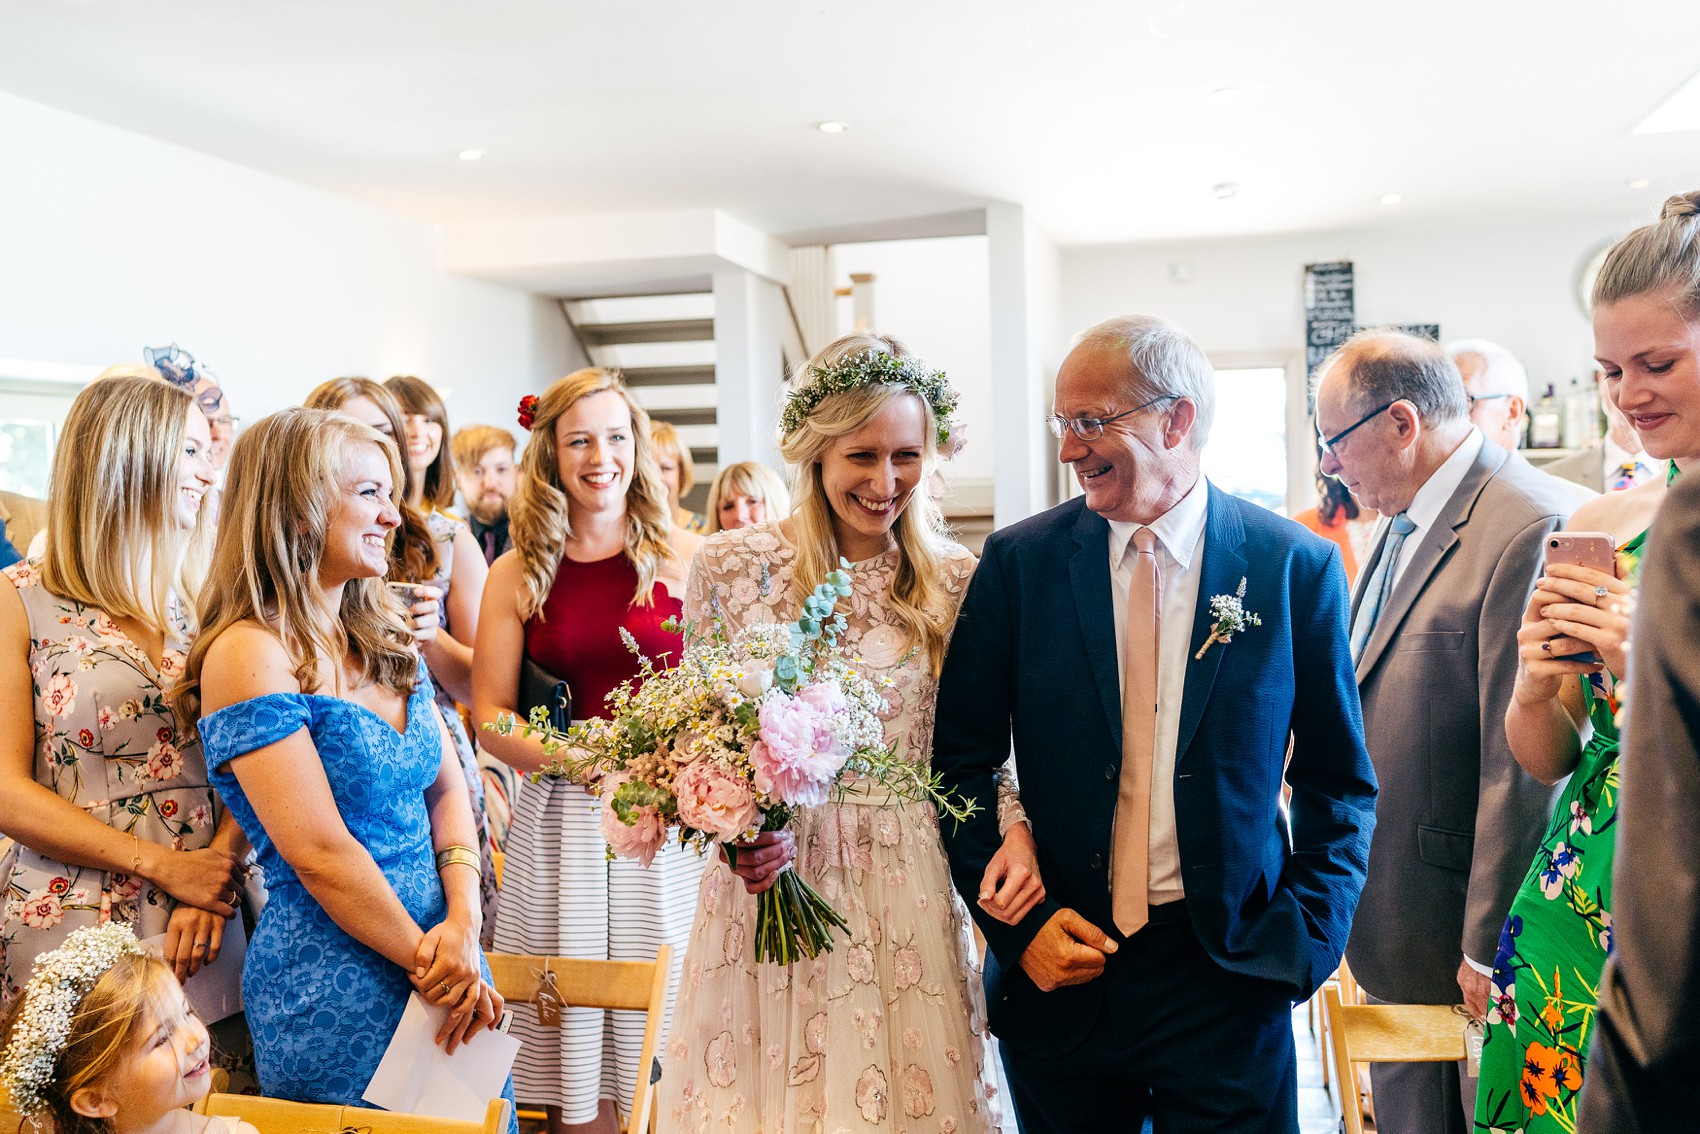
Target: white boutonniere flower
1231,618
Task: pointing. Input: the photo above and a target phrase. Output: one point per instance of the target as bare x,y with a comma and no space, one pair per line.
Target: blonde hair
106,1027
748,478
1662,256
413,549
917,594
416,396
113,541
470,445
666,441
538,516
285,473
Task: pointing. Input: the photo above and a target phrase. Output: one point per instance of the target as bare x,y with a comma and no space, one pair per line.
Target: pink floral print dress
105,740
886,1031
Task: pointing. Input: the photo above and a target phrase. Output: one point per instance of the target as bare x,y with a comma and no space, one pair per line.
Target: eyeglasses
1092,428
1474,398
1329,443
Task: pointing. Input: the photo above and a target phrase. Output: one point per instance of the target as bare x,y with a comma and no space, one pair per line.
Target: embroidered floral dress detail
886,1031
107,742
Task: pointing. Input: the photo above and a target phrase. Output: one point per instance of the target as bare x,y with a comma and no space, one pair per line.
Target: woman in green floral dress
1565,712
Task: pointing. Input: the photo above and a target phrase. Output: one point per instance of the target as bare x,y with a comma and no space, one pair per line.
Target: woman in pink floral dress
104,796
885,1032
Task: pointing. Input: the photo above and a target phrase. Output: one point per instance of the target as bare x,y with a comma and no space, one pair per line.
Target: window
1247,451
31,414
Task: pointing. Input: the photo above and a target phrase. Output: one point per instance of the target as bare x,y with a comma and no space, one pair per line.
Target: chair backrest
638,986
1387,1033
280,1116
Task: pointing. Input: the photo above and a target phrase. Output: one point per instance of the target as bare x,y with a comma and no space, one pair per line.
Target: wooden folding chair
281,1116
1350,993
637,986
1387,1033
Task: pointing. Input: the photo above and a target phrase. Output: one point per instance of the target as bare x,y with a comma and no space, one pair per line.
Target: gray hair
1662,256
1503,374
1161,361
1392,366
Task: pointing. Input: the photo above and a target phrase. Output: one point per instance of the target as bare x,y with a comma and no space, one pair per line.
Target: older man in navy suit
1152,651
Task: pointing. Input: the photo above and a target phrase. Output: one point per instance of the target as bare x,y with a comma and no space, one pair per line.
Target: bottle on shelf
1546,422
1582,422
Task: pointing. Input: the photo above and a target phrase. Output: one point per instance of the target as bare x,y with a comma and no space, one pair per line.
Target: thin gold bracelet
135,855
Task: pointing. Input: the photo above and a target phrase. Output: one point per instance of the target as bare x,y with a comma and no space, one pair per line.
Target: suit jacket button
1097,861
1111,771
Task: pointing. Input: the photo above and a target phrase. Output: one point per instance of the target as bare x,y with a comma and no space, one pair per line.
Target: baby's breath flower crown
56,987
875,368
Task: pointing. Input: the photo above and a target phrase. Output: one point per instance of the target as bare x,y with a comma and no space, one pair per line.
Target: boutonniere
1231,618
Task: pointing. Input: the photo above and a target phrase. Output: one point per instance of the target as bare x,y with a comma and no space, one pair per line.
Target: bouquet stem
793,922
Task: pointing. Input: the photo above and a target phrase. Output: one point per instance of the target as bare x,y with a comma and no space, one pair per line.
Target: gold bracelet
135,855
463,855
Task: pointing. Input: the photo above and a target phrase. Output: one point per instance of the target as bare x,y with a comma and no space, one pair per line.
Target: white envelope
416,1077
216,990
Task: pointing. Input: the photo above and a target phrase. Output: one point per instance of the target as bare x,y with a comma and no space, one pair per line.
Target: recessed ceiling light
471,155
1640,183
1391,198
1681,111
1225,190
832,127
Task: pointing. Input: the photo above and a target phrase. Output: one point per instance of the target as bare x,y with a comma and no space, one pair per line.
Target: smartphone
1594,550
506,1021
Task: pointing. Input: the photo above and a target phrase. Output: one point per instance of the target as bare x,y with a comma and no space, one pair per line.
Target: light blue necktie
1380,584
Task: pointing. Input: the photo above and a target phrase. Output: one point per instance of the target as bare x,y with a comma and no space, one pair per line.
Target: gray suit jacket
1458,821
1646,1044
1587,468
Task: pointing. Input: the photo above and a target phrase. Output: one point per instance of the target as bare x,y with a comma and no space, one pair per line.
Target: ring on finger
1600,592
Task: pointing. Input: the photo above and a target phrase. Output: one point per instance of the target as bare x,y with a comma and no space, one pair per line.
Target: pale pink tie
1130,864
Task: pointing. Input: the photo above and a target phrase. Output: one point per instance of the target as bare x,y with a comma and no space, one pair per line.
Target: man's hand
1068,950
1478,989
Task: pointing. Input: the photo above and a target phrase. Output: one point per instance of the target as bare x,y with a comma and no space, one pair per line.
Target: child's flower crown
57,984
876,368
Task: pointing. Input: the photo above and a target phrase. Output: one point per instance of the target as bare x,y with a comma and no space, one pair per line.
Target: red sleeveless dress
576,636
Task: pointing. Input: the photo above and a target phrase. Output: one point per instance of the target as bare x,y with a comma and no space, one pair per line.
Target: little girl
103,1039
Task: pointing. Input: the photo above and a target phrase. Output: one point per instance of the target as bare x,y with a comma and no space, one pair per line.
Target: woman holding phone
1573,654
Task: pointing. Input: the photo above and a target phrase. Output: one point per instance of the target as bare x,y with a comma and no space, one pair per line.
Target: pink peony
826,698
715,799
641,839
798,756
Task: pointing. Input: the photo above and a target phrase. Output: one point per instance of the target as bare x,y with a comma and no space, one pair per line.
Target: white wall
111,241
1514,283
932,295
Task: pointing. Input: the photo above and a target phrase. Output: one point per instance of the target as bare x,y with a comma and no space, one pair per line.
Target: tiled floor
1318,1112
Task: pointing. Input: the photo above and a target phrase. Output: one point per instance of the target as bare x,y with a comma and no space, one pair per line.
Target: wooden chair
1387,1033
637,986
1350,993
280,1116
497,860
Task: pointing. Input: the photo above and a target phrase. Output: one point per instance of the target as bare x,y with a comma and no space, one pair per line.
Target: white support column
1026,348
749,365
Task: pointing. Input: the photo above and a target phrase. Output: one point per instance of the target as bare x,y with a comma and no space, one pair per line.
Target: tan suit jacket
1458,821
23,516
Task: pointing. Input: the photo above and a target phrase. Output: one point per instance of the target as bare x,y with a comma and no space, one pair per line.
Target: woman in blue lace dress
316,717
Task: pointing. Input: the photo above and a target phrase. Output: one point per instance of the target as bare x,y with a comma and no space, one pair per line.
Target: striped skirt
562,897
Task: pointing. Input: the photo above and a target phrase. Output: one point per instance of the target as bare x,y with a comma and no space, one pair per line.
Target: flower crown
876,368
56,986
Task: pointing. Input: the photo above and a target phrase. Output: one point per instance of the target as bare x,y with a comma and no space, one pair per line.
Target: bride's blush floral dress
885,1031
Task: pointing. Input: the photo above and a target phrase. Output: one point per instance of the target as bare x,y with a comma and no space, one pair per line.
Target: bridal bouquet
730,742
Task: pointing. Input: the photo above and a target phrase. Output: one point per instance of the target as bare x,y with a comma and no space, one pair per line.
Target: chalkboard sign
1429,331
1329,311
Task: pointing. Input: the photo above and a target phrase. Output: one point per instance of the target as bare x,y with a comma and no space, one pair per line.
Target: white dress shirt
1180,540
1432,497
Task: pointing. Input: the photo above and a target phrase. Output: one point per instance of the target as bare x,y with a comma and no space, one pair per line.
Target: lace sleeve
1010,811
699,588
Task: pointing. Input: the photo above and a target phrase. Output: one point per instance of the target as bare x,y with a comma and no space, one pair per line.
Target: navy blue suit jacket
1033,658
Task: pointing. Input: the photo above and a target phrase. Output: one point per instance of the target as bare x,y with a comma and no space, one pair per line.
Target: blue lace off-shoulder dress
322,1007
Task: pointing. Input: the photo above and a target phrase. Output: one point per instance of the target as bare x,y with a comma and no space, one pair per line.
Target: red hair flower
527,410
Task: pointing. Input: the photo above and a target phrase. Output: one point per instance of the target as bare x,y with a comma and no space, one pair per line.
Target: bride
887,1027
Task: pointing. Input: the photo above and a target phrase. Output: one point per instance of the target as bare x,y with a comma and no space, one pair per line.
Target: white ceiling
1096,115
